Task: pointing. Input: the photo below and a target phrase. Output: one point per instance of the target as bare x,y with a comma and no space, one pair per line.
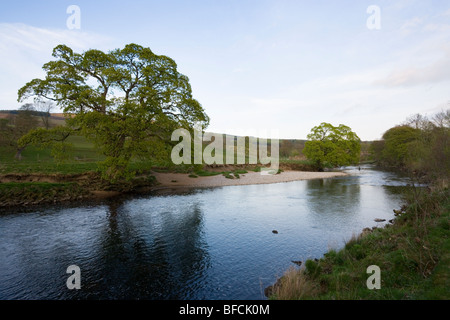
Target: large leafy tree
127,101
336,146
399,144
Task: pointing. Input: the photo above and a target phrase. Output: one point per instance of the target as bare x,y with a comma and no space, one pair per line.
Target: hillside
55,119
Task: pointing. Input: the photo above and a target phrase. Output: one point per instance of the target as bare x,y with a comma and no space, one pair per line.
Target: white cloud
434,72
24,49
412,23
446,13
22,36
437,27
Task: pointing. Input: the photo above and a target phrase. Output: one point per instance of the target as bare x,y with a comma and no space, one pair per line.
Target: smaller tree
442,119
336,146
44,107
25,121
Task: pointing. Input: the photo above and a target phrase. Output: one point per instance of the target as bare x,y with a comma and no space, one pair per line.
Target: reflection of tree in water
151,256
338,197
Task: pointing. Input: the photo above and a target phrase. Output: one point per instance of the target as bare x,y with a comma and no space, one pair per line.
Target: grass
413,254
229,175
83,158
234,174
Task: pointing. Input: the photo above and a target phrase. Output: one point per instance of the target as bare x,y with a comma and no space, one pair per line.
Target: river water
212,244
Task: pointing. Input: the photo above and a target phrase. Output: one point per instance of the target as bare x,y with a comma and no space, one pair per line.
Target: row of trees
419,146
128,102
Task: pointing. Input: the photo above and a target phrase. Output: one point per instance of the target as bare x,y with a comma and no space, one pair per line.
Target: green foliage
127,101
54,139
228,175
82,158
421,147
15,126
397,144
337,146
257,169
290,148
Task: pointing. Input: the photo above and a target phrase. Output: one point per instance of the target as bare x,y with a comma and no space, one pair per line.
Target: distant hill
55,118
288,148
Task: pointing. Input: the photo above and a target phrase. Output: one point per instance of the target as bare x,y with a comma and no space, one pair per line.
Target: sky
273,68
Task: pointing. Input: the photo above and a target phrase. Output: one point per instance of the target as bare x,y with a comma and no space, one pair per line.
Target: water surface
203,244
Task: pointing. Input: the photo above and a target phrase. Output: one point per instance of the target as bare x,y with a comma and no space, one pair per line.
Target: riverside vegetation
113,144
39,178
121,108
413,252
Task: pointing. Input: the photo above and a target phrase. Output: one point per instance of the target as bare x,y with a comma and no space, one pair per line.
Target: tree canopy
420,146
398,142
336,146
127,101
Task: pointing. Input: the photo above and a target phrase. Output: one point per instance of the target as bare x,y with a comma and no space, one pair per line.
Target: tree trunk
18,154
46,120
319,166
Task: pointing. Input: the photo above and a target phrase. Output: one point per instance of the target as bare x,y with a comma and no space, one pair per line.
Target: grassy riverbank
37,178
413,254
24,190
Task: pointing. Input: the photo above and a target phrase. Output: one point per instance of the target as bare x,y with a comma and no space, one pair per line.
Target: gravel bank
183,180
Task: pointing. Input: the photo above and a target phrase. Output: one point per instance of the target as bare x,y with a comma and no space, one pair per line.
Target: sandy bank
86,186
183,180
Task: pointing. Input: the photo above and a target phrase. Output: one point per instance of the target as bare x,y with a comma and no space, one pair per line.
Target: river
213,244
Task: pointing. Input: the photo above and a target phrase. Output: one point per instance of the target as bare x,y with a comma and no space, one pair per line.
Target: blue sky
264,67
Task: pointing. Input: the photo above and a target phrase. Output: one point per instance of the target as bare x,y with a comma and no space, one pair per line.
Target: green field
83,158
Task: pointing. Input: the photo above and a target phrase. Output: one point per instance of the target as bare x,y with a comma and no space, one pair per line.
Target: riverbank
171,180
412,253
18,190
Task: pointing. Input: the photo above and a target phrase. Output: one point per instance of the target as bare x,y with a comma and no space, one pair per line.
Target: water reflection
205,244
148,253
335,203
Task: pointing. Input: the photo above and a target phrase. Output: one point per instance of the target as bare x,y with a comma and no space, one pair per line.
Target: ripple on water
205,244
